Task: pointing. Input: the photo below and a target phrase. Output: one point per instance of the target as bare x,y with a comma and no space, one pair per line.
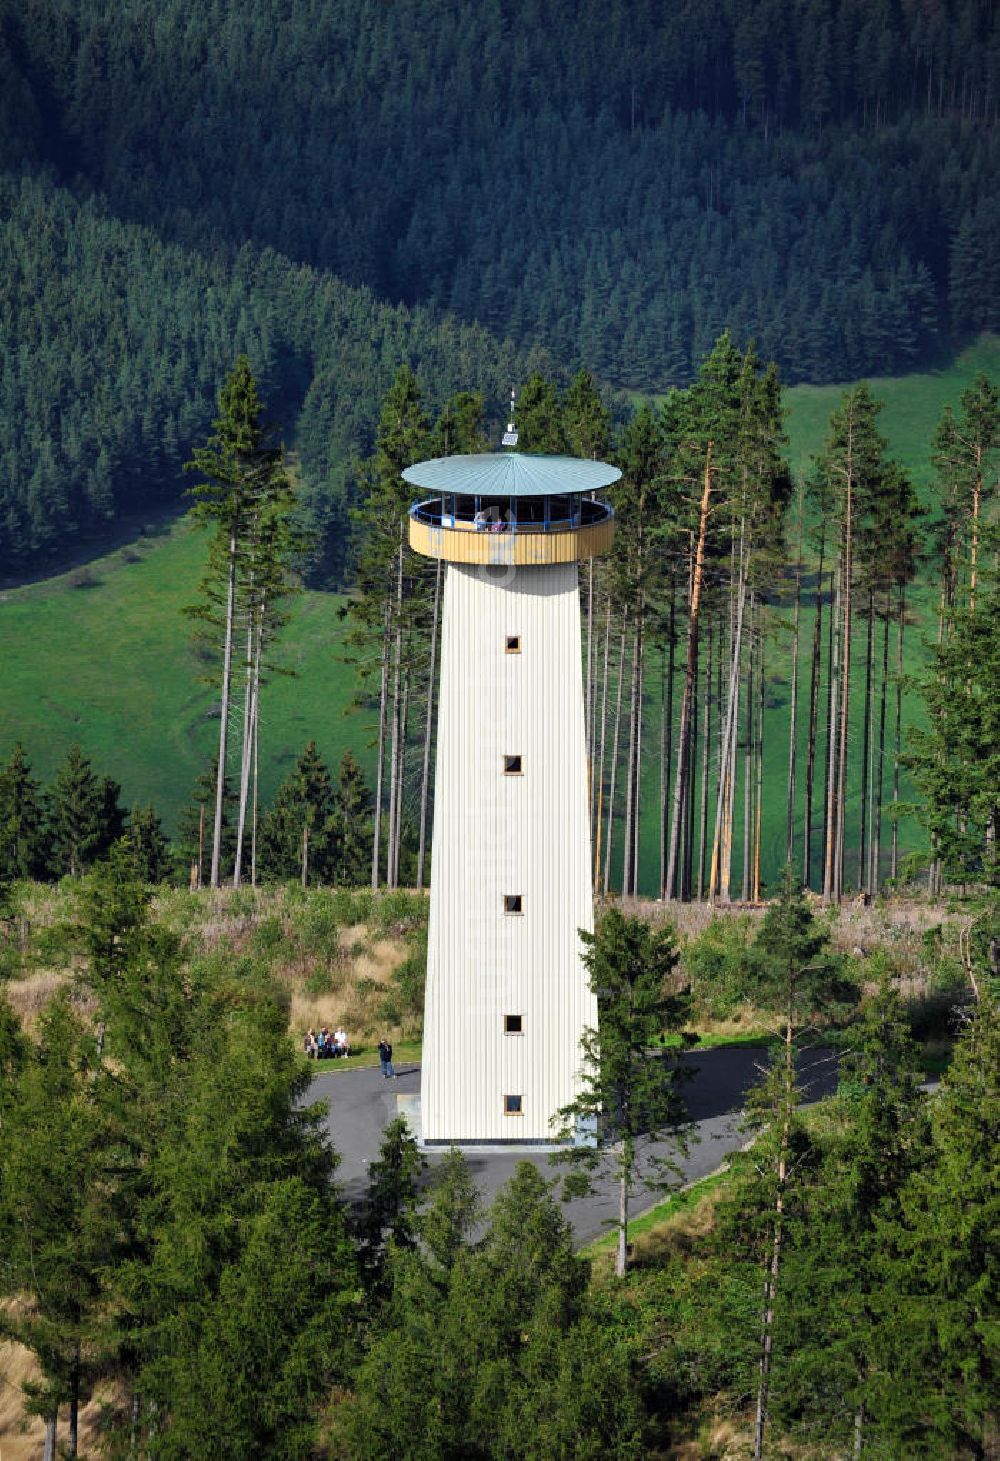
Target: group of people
324,1046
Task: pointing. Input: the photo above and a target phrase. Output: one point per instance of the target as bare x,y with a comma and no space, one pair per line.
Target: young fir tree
940,1351
298,832
236,1303
629,1118
794,976
452,1212
352,812
57,1218
955,758
22,852
150,848
389,1215
84,816
838,1294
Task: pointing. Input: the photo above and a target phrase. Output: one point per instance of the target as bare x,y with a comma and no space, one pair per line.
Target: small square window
512,766
512,1106
513,644
513,902
513,1024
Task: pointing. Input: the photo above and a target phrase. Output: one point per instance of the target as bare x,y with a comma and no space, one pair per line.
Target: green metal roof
511,474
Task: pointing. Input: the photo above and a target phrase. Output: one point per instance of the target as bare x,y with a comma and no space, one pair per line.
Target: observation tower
507,997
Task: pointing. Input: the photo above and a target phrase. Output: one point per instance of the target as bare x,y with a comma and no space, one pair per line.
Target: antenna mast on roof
510,435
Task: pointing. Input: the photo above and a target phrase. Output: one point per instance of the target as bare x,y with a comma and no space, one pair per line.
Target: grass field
102,654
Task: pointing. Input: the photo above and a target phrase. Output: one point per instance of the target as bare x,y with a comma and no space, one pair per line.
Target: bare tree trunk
621,1256
637,812
428,729
241,815
705,766
394,753
668,731
793,707
630,772
227,663
977,490
829,819
814,684
403,733
875,877
680,782
305,854
614,756
722,837
599,818
256,752
748,751
687,848
51,1422
74,1406
845,689
201,845
380,761
774,1264
897,743
866,745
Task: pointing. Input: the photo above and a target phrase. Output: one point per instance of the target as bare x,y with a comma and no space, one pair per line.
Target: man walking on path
385,1060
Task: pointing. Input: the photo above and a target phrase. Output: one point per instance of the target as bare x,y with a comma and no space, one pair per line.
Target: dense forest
615,187
189,1279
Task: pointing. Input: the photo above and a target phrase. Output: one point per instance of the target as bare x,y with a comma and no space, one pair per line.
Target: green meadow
102,655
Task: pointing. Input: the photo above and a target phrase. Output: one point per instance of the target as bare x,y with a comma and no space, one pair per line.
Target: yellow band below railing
511,549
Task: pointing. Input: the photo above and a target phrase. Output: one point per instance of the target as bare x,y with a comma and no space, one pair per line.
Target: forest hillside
336,189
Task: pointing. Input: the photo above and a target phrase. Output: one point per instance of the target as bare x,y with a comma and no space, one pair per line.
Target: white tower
507,996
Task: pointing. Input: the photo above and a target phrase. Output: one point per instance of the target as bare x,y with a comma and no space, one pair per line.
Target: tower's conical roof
511,474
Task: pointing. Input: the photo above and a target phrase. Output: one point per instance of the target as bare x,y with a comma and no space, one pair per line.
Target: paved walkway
361,1104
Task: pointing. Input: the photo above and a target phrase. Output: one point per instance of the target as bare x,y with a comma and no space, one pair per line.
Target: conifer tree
630,1099
21,819
243,488
838,1294
149,844
955,759
940,1351
352,805
56,1219
298,834
796,978
84,815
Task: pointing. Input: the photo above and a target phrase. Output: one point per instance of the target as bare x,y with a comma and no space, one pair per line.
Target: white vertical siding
497,834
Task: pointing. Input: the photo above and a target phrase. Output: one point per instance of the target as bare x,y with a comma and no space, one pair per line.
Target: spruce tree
57,1217
940,1352
630,1101
84,815
243,485
21,819
352,804
298,834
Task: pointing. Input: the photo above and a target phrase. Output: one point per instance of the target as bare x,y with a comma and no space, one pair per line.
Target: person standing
385,1059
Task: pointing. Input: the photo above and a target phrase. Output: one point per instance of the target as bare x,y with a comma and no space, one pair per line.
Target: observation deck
510,509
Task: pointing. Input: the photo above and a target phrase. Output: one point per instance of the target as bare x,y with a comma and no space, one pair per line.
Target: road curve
360,1104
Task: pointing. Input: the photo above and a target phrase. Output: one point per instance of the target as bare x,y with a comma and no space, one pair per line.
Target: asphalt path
361,1103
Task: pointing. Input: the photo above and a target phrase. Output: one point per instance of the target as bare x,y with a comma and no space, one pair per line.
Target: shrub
714,964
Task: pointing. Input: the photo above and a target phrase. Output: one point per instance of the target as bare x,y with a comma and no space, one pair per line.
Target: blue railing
491,518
